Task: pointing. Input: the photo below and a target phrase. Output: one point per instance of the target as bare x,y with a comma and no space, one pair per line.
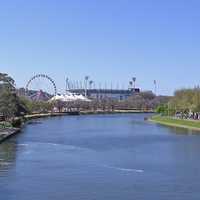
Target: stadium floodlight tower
134,81
86,83
91,83
155,87
130,85
67,87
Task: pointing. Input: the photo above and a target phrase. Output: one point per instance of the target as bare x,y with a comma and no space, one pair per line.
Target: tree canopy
186,99
10,104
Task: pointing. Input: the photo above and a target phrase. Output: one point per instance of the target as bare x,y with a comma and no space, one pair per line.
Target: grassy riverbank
169,121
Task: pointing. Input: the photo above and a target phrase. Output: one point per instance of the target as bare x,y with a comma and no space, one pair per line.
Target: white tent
70,97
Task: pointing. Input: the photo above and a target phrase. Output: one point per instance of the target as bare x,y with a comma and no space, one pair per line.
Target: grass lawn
191,124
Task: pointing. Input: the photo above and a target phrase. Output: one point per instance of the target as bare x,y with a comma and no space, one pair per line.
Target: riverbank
114,112
84,112
6,133
181,123
42,115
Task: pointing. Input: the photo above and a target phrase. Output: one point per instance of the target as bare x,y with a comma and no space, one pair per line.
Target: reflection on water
114,157
181,131
7,155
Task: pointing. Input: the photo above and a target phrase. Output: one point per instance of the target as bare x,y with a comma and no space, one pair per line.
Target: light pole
155,86
134,80
67,84
86,81
131,84
90,83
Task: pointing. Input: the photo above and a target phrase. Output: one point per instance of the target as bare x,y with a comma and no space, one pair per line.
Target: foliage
37,106
17,122
140,101
8,104
6,82
5,125
186,100
162,109
145,101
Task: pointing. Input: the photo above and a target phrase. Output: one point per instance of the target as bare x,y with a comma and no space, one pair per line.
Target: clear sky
109,40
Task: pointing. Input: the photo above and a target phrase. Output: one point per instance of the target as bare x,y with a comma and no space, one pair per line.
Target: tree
186,100
8,105
162,109
6,82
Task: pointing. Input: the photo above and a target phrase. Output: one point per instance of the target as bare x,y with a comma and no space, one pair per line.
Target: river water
100,157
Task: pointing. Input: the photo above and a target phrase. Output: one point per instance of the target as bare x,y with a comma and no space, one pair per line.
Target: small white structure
70,97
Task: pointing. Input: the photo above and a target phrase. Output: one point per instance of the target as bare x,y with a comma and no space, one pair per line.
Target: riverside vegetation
13,105
182,110
185,104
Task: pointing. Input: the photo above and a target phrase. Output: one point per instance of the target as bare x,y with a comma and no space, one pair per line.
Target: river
100,157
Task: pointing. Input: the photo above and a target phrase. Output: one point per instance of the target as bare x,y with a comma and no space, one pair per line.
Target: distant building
115,94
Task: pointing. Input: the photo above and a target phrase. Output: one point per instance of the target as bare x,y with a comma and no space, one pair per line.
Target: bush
16,123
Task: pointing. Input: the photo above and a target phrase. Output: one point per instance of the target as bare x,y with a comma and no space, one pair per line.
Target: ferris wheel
41,87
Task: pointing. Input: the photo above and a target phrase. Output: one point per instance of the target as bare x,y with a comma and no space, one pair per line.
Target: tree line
184,101
12,104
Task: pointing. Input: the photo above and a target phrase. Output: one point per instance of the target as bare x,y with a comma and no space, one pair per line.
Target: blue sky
109,40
